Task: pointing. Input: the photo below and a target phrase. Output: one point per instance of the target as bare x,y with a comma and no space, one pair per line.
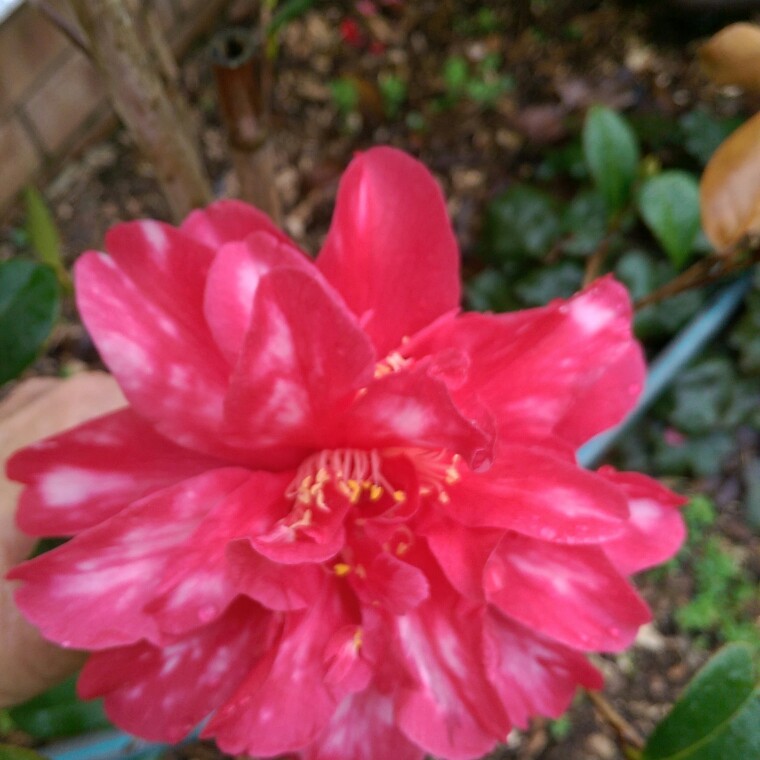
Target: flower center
354,473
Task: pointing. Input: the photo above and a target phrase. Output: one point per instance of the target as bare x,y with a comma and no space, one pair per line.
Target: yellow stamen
341,569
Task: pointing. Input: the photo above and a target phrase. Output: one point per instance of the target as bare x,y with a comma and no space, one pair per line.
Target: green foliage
669,205
11,752
702,133
482,82
394,91
717,716
523,221
724,593
612,154
58,713
345,95
43,235
28,309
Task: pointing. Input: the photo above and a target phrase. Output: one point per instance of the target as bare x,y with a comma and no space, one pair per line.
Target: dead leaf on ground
730,187
732,56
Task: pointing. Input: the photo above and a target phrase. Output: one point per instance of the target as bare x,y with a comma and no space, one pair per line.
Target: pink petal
198,585
167,267
453,710
655,531
363,728
571,367
539,495
304,356
90,592
284,704
227,221
571,594
161,694
232,283
155,356
410,408
533,675
391,251
272,584
462,553
85,475
390,583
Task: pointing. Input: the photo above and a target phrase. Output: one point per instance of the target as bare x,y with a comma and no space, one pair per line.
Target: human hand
37,408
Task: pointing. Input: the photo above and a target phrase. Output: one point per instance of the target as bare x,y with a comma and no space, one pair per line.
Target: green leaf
10,752
717,716
456,73
669,206
521,222
585,223
59,713
28,309
43,234
611,151
702,133
547,283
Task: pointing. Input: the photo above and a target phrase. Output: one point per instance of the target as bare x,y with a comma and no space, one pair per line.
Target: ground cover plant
545,191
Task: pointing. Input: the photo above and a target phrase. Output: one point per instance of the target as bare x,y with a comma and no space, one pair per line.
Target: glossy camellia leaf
669,206
717,717
28,308
58,713
732,56
612,155
730,187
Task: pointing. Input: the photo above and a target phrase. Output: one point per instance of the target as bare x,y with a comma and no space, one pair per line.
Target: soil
560,57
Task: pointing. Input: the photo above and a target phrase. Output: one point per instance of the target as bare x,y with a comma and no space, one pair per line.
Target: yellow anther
452,475
360,571
399,496
443,497
402,548
341,569
355,490
375,492
358,636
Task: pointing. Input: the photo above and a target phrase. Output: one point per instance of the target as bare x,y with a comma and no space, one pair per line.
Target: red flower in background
338,516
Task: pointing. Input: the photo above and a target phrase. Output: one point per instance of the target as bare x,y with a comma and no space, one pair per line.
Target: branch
627,734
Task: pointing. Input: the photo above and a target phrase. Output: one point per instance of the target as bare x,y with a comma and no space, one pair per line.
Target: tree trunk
142,99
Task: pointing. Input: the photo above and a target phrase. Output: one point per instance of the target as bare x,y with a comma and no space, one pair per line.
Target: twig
625,731
596,261
704,272
60,22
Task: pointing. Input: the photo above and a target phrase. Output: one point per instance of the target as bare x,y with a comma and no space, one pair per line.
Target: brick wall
50,95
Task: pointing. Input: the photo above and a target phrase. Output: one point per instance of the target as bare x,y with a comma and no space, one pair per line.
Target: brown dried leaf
732,56
730,187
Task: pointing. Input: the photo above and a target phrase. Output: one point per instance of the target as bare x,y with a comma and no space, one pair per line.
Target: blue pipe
679,352
114,745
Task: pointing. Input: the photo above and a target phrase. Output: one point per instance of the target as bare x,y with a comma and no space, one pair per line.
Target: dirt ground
553,63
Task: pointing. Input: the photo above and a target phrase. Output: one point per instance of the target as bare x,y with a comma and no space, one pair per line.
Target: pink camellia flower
339,517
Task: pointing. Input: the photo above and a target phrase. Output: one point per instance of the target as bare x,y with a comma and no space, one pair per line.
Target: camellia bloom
339,517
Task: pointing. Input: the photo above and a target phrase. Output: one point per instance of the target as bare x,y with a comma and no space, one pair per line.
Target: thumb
37,408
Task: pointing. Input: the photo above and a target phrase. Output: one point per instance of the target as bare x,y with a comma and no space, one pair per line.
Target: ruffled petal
199,584
410,408
91,592
305,355
284,704
161,694
655,530
274,585
81,477
533,675
232,283
227,221
391,252
154,355
571,594
571,367
453,710
363,728
538,494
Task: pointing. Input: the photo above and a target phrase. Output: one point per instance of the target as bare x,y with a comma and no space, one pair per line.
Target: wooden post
143,100
237,69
